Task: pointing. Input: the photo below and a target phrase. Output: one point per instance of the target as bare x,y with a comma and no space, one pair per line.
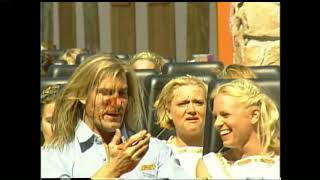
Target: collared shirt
85,155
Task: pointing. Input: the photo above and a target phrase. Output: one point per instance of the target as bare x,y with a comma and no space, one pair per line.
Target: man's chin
112,127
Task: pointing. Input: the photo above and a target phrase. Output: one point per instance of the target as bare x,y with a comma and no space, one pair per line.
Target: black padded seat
188,67
44,82
81,57
169,59
142,74
59,62
55,53
61,70
266,72
122,56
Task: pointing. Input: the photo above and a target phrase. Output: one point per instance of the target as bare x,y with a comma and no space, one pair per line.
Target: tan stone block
257,53
238,45
272,56
235,19
260,18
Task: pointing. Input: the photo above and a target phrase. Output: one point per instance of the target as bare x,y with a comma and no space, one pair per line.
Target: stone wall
255,30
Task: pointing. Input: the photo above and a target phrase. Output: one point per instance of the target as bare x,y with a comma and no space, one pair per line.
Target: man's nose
115,99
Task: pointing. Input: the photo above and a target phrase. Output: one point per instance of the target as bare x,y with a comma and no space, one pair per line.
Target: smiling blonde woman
248,121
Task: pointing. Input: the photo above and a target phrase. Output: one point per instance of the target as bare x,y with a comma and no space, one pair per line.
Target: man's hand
123,157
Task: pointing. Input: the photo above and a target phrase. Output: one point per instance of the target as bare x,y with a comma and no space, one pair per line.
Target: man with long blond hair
95,121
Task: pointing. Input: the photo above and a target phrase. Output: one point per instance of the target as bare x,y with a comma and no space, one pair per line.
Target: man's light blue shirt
86,154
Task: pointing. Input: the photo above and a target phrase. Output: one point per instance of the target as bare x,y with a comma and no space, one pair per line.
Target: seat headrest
59,62
44,82
81,57
185,67
61,70
266,72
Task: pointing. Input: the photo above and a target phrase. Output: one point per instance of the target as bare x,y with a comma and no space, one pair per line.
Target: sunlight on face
106,105
232,120
187,109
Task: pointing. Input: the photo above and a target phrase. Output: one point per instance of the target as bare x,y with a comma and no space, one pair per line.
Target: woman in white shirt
248,122
181,106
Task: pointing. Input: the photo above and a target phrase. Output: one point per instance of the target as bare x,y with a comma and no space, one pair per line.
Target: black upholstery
61,70
154,85
81,57
44,82
55,53
122,56
266,72
212,141
59,62
185,67
142,74
169,59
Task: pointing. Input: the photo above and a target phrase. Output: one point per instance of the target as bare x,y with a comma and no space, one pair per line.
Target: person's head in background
46,46
71,54
48,96
46,60
235,71
181,106
147,60
248,120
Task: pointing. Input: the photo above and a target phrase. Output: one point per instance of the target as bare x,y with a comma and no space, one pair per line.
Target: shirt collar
84,133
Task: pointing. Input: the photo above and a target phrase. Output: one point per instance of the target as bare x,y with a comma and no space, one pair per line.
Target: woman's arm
201,170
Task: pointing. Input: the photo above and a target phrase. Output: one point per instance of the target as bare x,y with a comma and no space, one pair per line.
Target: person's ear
255,115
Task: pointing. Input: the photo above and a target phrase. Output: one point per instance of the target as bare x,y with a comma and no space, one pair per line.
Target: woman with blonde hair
147,60
181,106
234,71
248,121
70,55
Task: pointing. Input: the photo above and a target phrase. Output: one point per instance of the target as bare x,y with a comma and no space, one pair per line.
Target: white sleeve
51,165
215,167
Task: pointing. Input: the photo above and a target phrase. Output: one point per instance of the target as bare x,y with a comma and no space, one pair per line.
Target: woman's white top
187,156
251,167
